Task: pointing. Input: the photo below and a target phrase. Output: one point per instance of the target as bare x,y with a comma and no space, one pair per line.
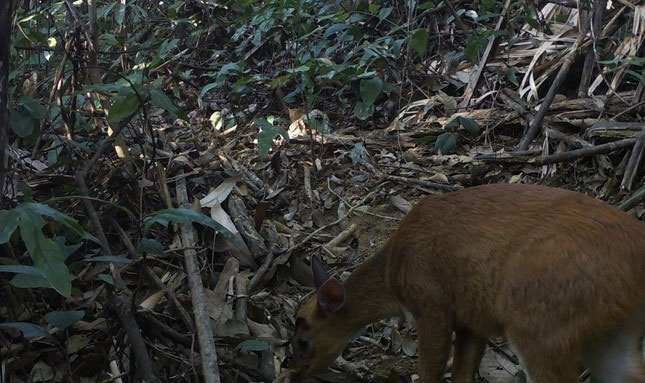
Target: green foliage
267,134
64,319
447,141
253,345
181,215
28,330
419,41
49,269
356,152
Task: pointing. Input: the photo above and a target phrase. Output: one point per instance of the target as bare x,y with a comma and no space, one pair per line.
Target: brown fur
560,274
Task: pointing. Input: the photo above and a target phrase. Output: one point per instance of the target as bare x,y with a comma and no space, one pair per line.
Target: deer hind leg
619,357
546,362
435,336
469,350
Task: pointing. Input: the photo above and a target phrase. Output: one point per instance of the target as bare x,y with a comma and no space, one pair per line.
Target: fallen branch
536,123
121,301
423,183
634,162
634,200
527,156
208,352
584,152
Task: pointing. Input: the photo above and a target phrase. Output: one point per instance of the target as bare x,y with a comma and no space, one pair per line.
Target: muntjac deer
561,275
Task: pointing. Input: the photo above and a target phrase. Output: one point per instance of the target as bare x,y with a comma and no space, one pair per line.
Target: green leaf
427,5
230,67
637,76
452,126
335,28
253,345
356,153
106,278
108,258
20,269
152,246
161,100
45,253
512,76
67,250
533,23
208,87
489,5
69,222
33,106
123,108
446,142
64,319
470,125
8,224
266,136
29,330
419,41
24,281
384,13
181,215
396,48
21,124
370,89
363,111
473,46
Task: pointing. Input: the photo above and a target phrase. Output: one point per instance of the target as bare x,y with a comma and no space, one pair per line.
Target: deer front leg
469,350
435,335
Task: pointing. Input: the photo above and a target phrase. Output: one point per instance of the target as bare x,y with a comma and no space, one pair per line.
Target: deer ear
331,295
320,274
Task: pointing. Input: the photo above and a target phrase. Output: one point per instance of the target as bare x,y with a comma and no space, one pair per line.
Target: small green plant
447,141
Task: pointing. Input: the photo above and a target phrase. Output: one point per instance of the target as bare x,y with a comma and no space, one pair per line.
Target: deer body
560,274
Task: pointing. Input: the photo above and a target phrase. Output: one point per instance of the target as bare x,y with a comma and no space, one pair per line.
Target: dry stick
588,66
253,283
423,183
187,341
568,139
474,80
634,200
241,299
121,305
336,222
521,157
208,352
634,161
183,314
413,181
569,3
536,123
337,240
584,152
572,140
516,157
460,22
